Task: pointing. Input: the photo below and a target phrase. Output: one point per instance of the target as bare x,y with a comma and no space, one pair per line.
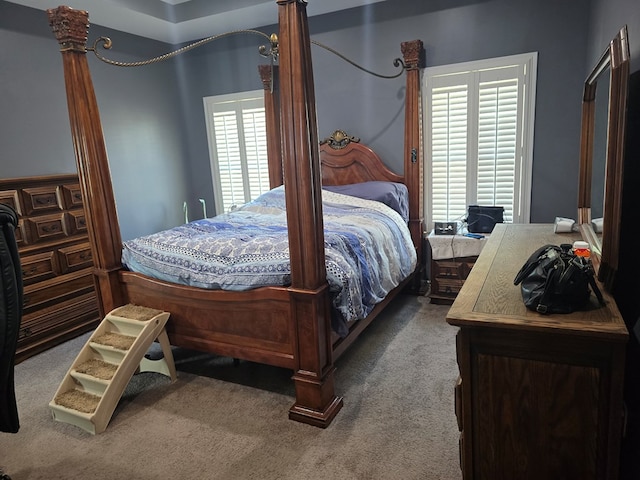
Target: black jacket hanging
10,317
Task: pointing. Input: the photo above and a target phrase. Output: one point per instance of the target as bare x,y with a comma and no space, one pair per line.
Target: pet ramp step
115,351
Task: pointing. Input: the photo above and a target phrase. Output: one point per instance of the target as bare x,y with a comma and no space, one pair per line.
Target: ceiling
177,21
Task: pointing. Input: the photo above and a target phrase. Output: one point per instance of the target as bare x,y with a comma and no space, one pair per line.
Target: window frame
212,105
527,63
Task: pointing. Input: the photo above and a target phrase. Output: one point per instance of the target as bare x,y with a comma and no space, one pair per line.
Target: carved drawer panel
75,257
38,267
41,199
77,222
72,196
10,197
45,228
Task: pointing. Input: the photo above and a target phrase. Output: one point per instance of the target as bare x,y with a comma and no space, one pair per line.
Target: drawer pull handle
25,332
44,201
29,271
50,228
85,256
77,196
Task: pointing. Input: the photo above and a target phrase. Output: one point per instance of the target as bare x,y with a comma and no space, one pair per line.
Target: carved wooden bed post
316,402
269,77
411,51
70,28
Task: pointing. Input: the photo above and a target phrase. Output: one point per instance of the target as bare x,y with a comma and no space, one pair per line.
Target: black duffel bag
11,297
556,280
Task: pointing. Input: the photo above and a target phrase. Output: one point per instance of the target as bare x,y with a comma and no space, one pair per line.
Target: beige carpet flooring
226,421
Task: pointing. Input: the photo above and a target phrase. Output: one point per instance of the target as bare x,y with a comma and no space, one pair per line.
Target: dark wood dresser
539,397
59,296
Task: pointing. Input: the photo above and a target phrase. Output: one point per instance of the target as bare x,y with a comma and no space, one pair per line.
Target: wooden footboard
255,325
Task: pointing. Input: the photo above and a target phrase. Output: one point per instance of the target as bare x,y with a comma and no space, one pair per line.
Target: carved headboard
345,160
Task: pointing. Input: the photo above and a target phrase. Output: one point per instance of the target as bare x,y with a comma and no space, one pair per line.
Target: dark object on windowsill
482,219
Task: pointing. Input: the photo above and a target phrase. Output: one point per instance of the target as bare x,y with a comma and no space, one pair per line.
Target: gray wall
141,118
606,19
153,116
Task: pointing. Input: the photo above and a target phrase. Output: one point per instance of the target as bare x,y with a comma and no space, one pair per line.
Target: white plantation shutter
255,134
479,134
236,129
449,152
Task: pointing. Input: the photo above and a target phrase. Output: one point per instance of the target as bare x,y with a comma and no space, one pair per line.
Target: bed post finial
70,26
411,52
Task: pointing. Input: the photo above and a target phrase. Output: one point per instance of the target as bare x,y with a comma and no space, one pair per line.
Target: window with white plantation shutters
236,130
479,137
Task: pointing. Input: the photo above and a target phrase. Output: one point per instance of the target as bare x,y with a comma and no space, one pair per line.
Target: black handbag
556,280
482,219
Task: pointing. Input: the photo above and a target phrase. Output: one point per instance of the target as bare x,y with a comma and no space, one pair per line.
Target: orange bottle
581,249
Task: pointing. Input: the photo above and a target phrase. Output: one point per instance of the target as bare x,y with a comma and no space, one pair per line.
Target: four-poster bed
286,326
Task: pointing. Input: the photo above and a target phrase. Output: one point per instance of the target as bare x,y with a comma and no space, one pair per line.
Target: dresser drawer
453,268
41,200
77,222
36,268
446,286
57,289
10,197
72,196
75,257
47,327
45,228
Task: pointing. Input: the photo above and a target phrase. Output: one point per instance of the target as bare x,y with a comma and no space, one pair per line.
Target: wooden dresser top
490,299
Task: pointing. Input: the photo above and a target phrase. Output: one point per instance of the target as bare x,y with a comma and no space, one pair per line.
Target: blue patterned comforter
368,251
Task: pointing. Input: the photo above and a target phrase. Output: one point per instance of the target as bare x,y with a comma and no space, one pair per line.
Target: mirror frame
605,251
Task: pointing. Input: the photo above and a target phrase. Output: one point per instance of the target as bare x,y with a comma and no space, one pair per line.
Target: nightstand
451,258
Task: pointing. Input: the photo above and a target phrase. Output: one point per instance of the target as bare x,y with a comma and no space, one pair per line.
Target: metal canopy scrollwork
396,62
339,139
71,28
271,51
